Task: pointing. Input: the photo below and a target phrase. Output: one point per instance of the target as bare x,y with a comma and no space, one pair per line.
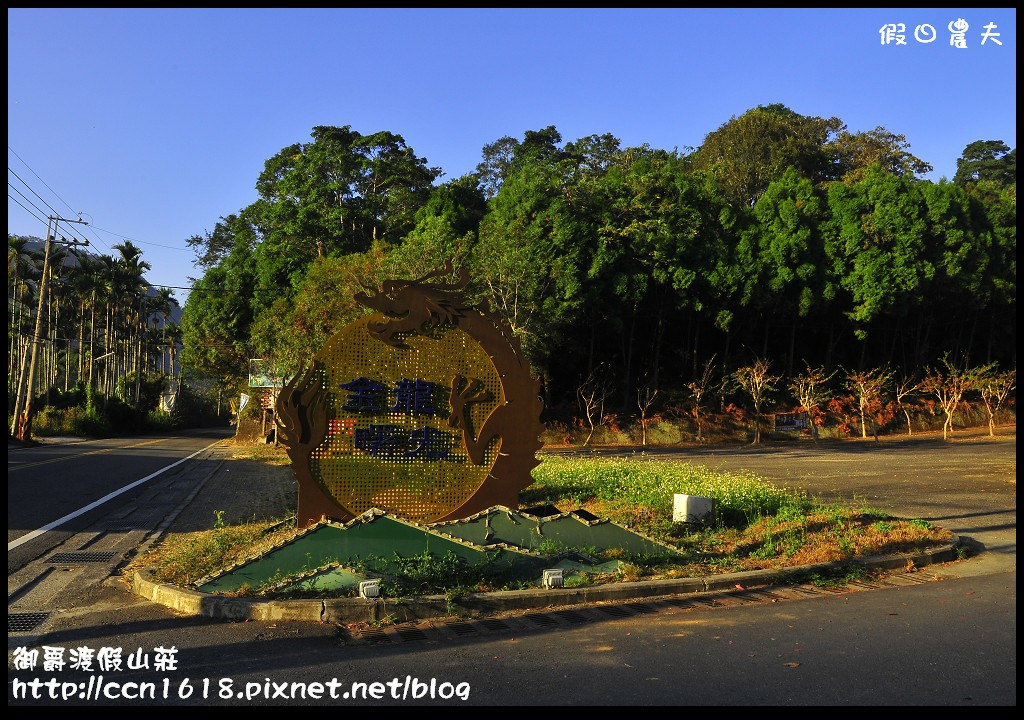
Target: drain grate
83,556
642,608
679,603
572,616
806,590
25,622
766,595
614,610
461,628
541,620
374,636
917,579
743,598
495,625
411,634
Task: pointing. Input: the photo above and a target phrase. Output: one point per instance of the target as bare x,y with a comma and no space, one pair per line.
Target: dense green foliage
783,237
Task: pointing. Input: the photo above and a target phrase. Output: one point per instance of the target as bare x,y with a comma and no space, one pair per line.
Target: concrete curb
359,610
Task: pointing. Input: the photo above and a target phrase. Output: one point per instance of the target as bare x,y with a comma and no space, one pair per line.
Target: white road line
56,523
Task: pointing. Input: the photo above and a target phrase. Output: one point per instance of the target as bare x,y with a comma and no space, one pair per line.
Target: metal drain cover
82,556
541,619
25,622
411,634
374,636
461,628
495,625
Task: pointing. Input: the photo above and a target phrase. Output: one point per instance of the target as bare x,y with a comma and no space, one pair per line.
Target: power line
25,208
32,191
125,237
41,180
39,209
72,229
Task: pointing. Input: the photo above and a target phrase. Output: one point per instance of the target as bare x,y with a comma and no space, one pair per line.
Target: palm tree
84,284
133,285
174,335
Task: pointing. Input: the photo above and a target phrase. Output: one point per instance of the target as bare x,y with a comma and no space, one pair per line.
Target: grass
184,558
757,526
270,454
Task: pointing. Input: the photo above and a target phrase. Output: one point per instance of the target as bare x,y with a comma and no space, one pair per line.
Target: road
946,636
50,482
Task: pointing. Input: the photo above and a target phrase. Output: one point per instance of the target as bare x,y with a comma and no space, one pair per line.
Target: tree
215,326
334,196
698,388
906,386
867,385
663,233
645,396
757,381
855,153
750,151
447,229
810,388
535,248
948,384
987,160
592,395
785,271
995,387
506,155
876,241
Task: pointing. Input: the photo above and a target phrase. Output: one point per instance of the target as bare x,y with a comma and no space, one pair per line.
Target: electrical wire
25,208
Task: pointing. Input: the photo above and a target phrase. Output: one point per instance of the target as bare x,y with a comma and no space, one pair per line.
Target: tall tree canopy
987,160
750,151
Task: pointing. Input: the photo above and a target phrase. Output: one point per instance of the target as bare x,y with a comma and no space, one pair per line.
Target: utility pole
21,427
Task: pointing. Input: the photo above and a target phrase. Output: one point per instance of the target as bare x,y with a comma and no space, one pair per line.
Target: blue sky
155,123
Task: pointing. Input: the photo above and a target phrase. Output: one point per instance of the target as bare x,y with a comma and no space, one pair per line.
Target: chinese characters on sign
411,398
86,659
896,33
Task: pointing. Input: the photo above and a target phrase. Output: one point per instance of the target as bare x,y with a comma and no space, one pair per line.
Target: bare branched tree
868,385
903,389
645,396
995,388
757,381
592,395
948,384
698,388
810,388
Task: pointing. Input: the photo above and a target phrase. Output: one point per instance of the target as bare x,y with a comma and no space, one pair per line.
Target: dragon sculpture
426,306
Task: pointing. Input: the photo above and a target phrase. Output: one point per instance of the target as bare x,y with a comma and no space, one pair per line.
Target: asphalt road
53,481
948,641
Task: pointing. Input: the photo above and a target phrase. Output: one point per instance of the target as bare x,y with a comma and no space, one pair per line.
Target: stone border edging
361,610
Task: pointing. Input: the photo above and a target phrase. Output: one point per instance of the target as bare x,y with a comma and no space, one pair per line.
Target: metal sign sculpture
426,409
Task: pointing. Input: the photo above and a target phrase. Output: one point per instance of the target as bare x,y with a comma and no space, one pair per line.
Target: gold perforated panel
389,444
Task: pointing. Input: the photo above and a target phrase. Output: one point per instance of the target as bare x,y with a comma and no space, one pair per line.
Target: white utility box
692,509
